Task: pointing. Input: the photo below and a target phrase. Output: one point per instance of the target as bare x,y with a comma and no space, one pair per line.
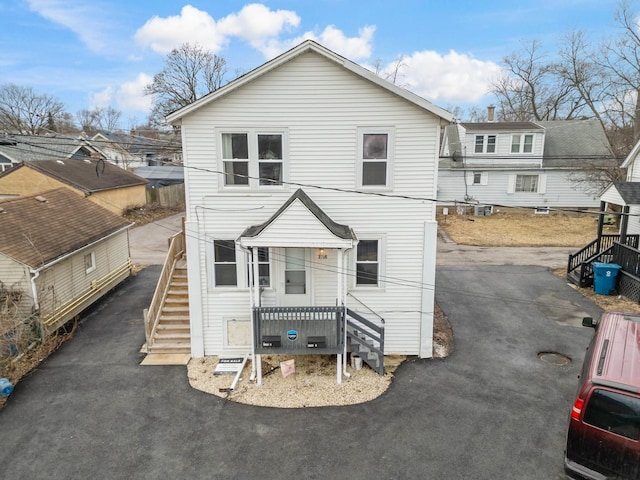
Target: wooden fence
171,196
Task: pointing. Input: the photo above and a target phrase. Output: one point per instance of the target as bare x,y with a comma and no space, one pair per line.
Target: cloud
255,24
353,48
452,77
101,99
192,26
86,20
130,95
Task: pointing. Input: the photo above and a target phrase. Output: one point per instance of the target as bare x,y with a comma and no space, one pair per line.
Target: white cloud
130,96
86,20
255,24
191,26
353,48
101,99
453,77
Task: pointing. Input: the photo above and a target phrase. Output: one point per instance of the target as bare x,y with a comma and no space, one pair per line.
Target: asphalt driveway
491,410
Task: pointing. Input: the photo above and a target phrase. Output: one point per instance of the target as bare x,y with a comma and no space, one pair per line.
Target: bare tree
22,110
531,89
99,119
190,72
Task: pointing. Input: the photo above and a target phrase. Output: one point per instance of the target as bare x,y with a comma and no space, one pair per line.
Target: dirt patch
522,228
150,213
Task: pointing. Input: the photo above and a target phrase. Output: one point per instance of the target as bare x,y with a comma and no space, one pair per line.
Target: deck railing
152,314
369,335
593,249
299,330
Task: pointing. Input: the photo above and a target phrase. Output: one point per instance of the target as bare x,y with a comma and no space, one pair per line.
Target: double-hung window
224,263
485,144
235,158
521,143
270,158
264,267
368,263
375,156
252,158
527,183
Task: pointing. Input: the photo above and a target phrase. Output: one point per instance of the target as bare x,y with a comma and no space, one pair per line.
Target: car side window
614,412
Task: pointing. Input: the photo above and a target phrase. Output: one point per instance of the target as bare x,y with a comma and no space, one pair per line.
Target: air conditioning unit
482,210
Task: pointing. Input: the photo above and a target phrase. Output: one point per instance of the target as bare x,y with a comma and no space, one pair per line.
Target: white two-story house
522,164
310,184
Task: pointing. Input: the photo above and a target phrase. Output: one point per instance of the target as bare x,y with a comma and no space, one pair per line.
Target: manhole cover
554,358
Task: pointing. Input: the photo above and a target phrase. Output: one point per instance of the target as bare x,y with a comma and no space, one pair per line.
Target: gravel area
313,384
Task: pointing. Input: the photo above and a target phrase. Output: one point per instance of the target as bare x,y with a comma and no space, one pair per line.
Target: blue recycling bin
605,276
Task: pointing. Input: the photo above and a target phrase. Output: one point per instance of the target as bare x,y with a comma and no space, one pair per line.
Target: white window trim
249,265
252,139
93,265
211,263
470,177
390,131
521,145
485,144
542,184
381,263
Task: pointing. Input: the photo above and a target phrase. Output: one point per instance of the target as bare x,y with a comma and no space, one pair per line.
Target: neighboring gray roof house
15,149
62,252
38,229
132,151
161,176
103,183
523,164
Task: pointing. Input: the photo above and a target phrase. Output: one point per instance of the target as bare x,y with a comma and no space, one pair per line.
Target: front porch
621,249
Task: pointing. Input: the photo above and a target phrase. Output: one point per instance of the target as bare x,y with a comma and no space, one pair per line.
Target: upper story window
485,144
375,158
521,143
253,158
235,157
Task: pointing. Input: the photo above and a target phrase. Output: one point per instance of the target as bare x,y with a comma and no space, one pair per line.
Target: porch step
170,348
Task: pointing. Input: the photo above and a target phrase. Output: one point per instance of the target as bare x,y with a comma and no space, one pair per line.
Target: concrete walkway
148,244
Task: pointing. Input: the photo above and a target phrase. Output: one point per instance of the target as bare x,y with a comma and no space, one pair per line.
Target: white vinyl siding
559,190
477,178
323,108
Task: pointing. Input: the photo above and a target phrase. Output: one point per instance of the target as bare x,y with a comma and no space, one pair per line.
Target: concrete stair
173,333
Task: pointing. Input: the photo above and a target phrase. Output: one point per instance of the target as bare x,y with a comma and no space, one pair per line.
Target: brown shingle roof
86,175
37,229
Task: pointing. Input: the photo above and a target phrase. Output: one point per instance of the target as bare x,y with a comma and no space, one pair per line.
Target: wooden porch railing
152,314
369,336
594,248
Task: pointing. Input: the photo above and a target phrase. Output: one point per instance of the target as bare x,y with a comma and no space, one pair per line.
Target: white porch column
255,302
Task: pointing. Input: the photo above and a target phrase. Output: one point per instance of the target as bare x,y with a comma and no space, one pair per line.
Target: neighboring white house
314,176
522,164
627,194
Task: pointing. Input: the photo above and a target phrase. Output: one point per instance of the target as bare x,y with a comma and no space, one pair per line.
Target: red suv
603,441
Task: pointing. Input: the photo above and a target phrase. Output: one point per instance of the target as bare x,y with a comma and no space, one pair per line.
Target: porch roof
622,193
332,234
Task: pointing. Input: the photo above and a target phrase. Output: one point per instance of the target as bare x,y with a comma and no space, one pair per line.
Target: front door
294,287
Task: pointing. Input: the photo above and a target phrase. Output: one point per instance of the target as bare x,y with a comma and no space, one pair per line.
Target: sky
101,53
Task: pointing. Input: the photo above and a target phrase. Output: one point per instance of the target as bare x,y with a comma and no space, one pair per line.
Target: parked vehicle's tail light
577,408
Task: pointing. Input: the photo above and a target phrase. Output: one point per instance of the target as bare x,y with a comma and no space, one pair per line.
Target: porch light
322,255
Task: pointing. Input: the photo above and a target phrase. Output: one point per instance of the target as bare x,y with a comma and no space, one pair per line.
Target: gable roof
136,144
38,229
26,148
499,126
88,175
340,231
304,47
